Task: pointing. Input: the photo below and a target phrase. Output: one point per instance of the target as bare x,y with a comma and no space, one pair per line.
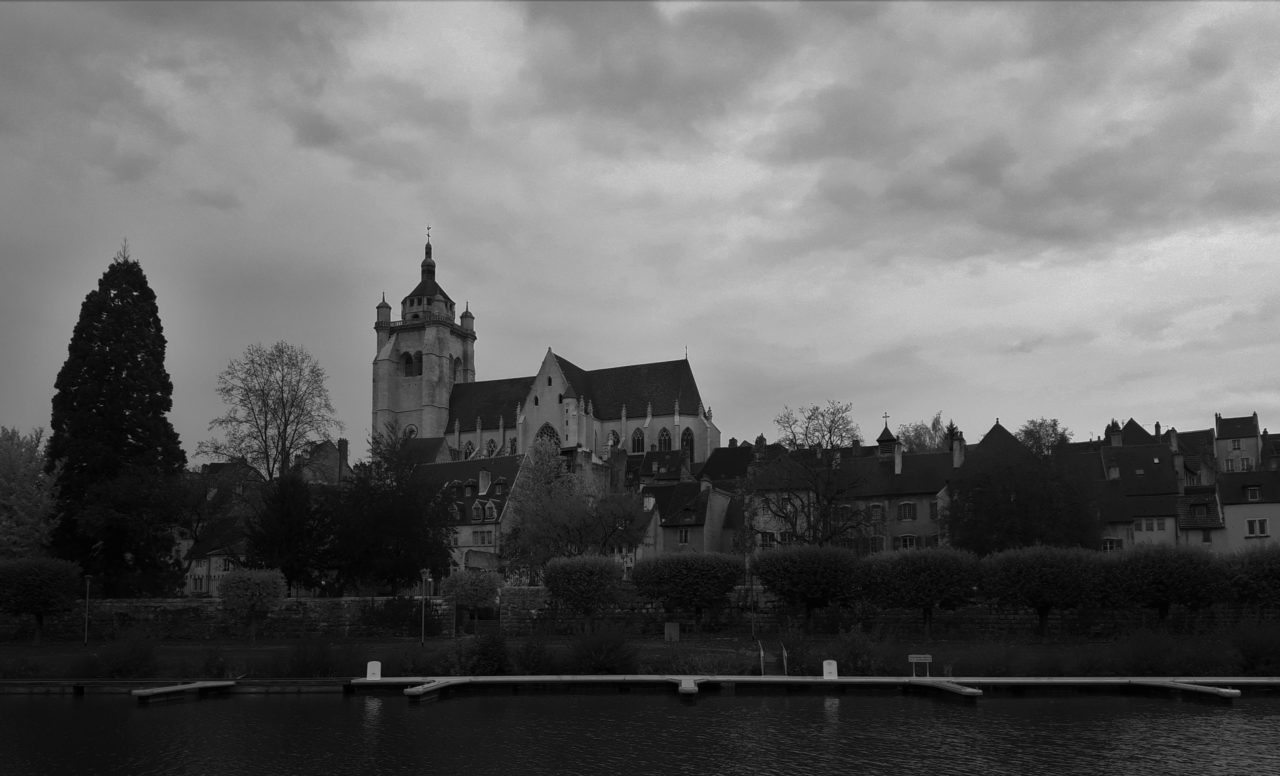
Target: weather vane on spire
428,234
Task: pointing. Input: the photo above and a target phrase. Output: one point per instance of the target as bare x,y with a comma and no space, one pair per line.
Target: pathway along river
636,734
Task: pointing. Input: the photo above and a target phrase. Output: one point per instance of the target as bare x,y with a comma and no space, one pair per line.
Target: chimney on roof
485,479
1173,439
1157,428
957,450
1116,438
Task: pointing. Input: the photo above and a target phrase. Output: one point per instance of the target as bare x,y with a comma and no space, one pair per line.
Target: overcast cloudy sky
1004,210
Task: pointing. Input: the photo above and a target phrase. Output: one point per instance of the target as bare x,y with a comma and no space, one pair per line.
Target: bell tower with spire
421,357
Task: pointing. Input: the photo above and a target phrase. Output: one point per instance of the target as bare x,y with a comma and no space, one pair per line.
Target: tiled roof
664,464
727,463
502,469
1144,469
663,384
426,449
1196,442
488,400
1233,487
1187,509
223,536
1237,428
677,503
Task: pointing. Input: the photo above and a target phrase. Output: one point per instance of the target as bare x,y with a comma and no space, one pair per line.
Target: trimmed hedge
584,584
252,594
809,576
691,580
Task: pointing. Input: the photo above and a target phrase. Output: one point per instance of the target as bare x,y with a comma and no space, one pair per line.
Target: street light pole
87,577
422,632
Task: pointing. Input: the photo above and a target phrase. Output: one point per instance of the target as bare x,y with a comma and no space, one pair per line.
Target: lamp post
87,578
422,632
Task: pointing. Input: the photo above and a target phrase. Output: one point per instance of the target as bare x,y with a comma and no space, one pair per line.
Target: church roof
636,386
428,287
487,400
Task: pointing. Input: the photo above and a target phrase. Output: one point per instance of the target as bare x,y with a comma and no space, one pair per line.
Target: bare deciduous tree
829,427
277,403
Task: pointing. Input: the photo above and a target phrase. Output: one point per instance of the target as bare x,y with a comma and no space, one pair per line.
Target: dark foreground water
636,734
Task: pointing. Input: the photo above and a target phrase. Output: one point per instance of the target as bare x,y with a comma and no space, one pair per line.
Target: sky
996,211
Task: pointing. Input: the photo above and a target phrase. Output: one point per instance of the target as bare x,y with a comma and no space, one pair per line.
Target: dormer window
477,512
1253,494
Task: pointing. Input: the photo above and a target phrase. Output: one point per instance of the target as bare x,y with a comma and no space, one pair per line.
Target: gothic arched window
406,365
637,441
686,444
547,432
614,440
468,451
490,448
664,440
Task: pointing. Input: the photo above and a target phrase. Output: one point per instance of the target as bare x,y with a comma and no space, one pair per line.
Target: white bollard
373,670
829,670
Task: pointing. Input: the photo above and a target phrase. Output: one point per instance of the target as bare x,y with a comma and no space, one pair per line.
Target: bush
1254,576
584,584
399,616
251,594
132,658
486,655
606,652
1259,649
534,658
808,576
472,590
38,586
692,581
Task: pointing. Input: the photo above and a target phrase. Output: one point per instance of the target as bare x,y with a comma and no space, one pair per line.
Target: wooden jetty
200,689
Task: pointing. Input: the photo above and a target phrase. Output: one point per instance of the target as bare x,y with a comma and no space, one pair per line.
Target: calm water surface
636,734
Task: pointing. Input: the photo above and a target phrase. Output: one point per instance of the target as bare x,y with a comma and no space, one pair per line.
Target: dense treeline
1045,580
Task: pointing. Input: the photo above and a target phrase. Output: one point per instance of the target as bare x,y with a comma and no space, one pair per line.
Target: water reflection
592,734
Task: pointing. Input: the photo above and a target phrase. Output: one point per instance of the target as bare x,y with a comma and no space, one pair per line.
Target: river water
636,734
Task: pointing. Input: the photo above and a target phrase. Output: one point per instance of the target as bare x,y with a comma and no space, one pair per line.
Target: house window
1193,478
1137,525
933,510
766,540
1199,510
1112,545
1159,523
905,542
477,512
682,536
637,441
482,538
1235,444
1257,527
548,380
877,544
1113,472
664,440
907,511
877,513
1231,464
453,539
787,537
1206,536
1253,494
1246,464
1139,472
1151,524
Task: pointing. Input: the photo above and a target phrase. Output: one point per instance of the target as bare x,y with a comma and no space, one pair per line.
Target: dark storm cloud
626,63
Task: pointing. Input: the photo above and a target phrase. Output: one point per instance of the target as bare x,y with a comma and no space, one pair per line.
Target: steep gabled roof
1198,500
1134,434
922,474
663,384
1144,469
488,400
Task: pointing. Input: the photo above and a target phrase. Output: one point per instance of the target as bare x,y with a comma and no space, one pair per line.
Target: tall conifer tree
117,456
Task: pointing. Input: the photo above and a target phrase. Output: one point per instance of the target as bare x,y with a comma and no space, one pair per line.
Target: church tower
421,357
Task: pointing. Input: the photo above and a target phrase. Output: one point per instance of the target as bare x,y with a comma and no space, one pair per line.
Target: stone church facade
424,385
